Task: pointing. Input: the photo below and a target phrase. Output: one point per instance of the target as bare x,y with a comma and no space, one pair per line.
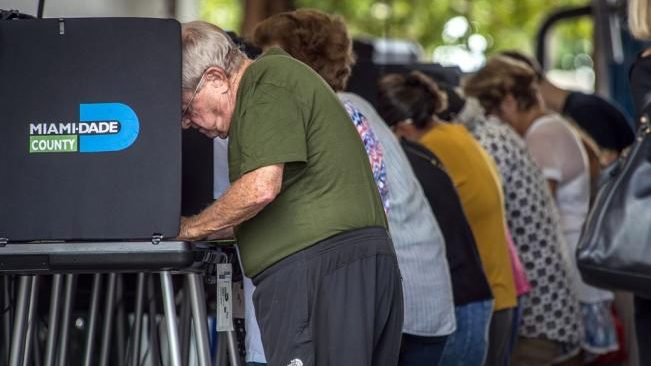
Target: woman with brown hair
409,105
508,89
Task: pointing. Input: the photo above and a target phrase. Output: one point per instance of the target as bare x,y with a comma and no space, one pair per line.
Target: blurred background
582,44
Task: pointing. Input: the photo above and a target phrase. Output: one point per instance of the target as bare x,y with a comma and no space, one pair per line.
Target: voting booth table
91,182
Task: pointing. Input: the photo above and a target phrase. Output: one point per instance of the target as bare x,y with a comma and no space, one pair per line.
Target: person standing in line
309,220
551,319
322,42
602,120
408,103
508,89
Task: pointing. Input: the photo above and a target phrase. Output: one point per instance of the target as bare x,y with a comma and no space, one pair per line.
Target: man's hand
243,200
185,231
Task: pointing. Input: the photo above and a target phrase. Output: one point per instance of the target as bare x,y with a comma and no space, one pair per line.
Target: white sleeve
556,149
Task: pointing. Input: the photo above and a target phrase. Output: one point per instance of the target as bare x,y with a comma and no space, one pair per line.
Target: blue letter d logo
98,112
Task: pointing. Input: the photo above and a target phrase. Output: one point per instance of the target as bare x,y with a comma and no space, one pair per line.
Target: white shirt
559,152
416,236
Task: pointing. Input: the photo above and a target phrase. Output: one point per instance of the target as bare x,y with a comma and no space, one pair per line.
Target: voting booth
91,180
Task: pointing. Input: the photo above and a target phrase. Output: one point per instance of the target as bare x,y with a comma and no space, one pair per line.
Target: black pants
421,351
338,302
498,339
643,329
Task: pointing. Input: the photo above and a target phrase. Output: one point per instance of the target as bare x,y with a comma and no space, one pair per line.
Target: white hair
206,45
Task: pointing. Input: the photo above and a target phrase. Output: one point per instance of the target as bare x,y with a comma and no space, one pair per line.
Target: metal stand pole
137,325
108,320
92,321
68,303
222,345
200,318
6,317
36,346
154,346
20,321
185,324
170,316
233,353
121,320
31,320
55,308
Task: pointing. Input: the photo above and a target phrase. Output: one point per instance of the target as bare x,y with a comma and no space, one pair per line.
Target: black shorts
338,302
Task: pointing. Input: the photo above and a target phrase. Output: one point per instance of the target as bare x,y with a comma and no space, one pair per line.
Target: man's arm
243,200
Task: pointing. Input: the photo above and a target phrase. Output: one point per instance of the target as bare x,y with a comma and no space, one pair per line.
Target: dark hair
414,96
456,102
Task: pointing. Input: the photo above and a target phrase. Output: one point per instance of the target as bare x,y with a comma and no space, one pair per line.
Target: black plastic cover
90,137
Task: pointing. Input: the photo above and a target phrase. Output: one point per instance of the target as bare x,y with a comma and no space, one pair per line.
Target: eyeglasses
194,94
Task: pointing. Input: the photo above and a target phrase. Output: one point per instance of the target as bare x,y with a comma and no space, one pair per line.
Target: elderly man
306,212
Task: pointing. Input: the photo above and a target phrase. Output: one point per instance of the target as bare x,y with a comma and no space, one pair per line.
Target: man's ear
217,78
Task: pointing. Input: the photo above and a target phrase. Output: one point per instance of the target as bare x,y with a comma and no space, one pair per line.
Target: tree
505,24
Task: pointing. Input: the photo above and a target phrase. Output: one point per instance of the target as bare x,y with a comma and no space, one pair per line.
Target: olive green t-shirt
285,113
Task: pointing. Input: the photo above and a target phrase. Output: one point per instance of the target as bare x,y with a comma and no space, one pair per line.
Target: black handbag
614,250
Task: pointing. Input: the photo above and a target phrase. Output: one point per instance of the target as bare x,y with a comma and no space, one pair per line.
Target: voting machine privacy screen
90,140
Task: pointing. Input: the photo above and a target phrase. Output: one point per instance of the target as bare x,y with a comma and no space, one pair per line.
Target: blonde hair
206,45
639,18
500,77
318,39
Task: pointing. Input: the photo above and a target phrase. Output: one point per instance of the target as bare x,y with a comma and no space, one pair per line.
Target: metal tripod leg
185,324
6,317
92,320
222,353
68,303
199,317
36,350
227,347
55,309
121,320
233,353
137,325
31,320
20,321
108,320
154,345
170,317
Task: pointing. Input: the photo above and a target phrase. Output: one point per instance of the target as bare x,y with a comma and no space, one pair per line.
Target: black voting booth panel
90,141
90,157
198,172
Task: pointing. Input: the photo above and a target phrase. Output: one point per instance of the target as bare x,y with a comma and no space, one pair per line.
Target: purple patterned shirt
373,150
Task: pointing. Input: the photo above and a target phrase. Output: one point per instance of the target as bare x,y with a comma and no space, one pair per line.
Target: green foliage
227,14
506,24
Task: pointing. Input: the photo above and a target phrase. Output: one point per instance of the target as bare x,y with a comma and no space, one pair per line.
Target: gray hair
639,18
206,45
